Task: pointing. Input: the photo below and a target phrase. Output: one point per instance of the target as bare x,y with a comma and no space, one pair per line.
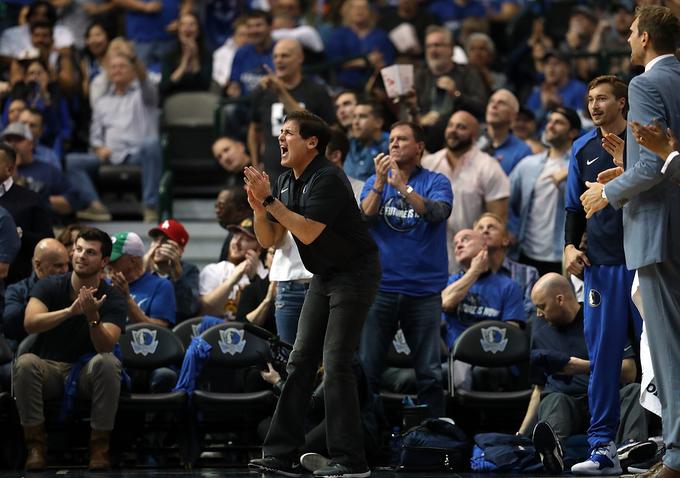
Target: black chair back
234,347
187,330
492,344
150,346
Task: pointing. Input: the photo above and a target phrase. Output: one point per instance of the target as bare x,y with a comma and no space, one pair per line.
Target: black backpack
435,445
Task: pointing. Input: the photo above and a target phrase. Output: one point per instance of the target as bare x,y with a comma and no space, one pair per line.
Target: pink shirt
477,180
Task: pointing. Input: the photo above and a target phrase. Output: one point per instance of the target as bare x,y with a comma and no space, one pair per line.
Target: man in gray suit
651,226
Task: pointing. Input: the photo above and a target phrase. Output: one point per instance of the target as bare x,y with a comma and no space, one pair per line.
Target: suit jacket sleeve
673,170
646,104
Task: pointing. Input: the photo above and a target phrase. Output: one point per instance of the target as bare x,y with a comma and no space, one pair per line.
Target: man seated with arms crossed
560,367
76,315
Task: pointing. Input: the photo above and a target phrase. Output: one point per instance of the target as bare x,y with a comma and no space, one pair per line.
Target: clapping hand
653,137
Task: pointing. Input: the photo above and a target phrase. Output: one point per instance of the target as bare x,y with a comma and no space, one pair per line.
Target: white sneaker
314,461
603,461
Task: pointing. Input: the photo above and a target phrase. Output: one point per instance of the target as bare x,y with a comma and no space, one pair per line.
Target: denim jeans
290,295
419,318
81,167
330,327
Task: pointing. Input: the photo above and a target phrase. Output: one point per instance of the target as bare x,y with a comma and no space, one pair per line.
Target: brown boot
99,450
34,437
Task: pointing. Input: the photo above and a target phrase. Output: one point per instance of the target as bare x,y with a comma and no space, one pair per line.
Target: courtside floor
229,473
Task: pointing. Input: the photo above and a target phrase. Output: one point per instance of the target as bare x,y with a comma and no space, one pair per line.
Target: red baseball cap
173,230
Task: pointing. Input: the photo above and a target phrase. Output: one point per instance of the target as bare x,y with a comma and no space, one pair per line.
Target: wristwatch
95,323
268,201
604,195
409,190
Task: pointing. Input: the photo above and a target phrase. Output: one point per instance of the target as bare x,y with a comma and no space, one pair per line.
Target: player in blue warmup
610,316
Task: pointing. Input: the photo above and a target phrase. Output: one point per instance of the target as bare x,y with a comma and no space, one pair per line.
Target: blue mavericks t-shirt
155,296
412,250
605,228
492,297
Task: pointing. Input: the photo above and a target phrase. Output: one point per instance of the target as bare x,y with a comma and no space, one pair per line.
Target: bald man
559,375
50,257
498,140
279,93
478,181
477,293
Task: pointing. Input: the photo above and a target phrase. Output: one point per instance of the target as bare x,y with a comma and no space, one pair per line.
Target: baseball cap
173,230
126,243
17,129
246,227
571,115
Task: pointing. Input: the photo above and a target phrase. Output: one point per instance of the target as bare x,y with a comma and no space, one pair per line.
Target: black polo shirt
324,194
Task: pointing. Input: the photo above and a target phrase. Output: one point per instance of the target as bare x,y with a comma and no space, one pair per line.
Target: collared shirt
6,185
656,60
122,123
323,193
478,180
17,40
508,153
359,161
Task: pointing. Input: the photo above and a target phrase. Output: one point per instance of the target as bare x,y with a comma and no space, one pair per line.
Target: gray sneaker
314,461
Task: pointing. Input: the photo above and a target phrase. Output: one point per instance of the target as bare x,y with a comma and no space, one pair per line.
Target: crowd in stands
469,182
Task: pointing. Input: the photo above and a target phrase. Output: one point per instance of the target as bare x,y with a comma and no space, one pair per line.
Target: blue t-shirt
573,96
413,252
148,27
155,296
492,297
605,228
452,14
508,154
359,161
247,69
344,44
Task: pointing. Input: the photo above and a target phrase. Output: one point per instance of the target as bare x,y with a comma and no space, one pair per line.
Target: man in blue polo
408,207
610,318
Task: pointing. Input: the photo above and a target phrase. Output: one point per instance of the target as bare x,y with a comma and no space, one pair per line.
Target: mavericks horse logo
493,339
232,341
144,341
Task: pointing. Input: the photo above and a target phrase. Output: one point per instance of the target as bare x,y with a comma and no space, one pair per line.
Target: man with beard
231,207
609,314
478,181
537,194
78,320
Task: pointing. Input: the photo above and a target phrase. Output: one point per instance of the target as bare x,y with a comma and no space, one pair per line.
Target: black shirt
68,341
324,194
570,341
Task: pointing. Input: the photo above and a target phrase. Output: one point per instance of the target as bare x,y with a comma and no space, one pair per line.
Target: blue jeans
81,166
419,318
290,296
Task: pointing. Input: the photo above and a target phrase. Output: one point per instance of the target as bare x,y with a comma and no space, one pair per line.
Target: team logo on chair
144,342
594,298
400,344
232,341
493,339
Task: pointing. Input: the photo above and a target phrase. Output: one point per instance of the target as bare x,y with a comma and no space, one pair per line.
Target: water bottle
395,447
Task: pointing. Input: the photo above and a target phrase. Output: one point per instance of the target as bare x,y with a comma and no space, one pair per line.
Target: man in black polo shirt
314,201
78,319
